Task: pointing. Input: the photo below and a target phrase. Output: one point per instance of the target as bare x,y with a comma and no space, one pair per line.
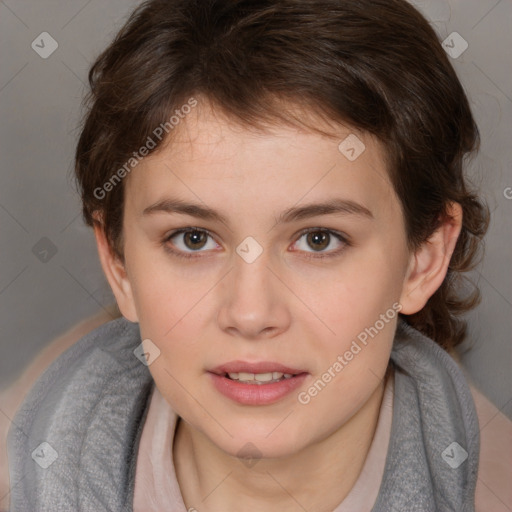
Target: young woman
278,198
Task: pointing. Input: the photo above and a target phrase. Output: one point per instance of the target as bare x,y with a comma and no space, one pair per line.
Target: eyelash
309,255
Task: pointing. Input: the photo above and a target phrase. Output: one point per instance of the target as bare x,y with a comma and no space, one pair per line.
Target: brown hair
375,65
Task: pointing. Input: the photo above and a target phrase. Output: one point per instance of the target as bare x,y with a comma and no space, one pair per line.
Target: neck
319,477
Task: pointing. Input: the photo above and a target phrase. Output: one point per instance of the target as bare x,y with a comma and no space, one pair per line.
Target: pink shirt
157,488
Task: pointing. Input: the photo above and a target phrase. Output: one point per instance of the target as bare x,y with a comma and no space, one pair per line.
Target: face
230,260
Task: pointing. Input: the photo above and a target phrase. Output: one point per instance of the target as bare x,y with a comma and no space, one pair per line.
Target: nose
253,301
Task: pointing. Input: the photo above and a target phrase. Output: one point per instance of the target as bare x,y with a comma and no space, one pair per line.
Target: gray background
50,276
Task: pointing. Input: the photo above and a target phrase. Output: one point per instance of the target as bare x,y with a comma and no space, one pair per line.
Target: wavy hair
376,65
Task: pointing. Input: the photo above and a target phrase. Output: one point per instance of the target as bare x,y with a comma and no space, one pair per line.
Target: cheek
352,298
360,308
352,368
178,370
163,293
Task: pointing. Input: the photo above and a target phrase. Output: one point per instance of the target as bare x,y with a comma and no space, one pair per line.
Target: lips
251,393
256,367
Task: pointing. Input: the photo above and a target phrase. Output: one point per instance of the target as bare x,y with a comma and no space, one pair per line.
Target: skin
216,307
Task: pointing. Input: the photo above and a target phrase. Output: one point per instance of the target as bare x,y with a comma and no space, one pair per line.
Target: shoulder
12,397
87,406
493,490
85,367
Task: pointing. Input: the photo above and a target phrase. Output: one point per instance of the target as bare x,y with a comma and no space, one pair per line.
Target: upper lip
257,367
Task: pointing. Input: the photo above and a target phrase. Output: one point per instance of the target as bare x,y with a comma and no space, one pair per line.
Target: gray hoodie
73,443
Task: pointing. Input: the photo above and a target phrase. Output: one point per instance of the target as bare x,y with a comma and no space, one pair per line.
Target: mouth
264,372
258,378
256,383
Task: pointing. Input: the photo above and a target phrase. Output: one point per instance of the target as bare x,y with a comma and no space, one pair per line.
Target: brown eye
185,242
318,240
195,239
320,243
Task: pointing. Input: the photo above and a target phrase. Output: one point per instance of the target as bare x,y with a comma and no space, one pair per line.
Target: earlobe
116,274
429,264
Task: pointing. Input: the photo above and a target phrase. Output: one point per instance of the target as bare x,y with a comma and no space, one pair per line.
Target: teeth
259,377
263,377
246,376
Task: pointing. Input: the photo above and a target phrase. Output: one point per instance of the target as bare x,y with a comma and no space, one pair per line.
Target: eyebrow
295,213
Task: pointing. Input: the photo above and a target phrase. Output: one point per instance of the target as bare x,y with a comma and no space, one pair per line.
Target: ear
429,264
115,273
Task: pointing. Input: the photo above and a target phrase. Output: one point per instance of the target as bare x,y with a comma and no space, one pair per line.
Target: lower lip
257,394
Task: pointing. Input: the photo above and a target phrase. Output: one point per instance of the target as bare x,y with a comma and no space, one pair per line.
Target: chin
259,446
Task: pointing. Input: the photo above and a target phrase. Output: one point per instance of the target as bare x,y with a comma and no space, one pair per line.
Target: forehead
211,157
